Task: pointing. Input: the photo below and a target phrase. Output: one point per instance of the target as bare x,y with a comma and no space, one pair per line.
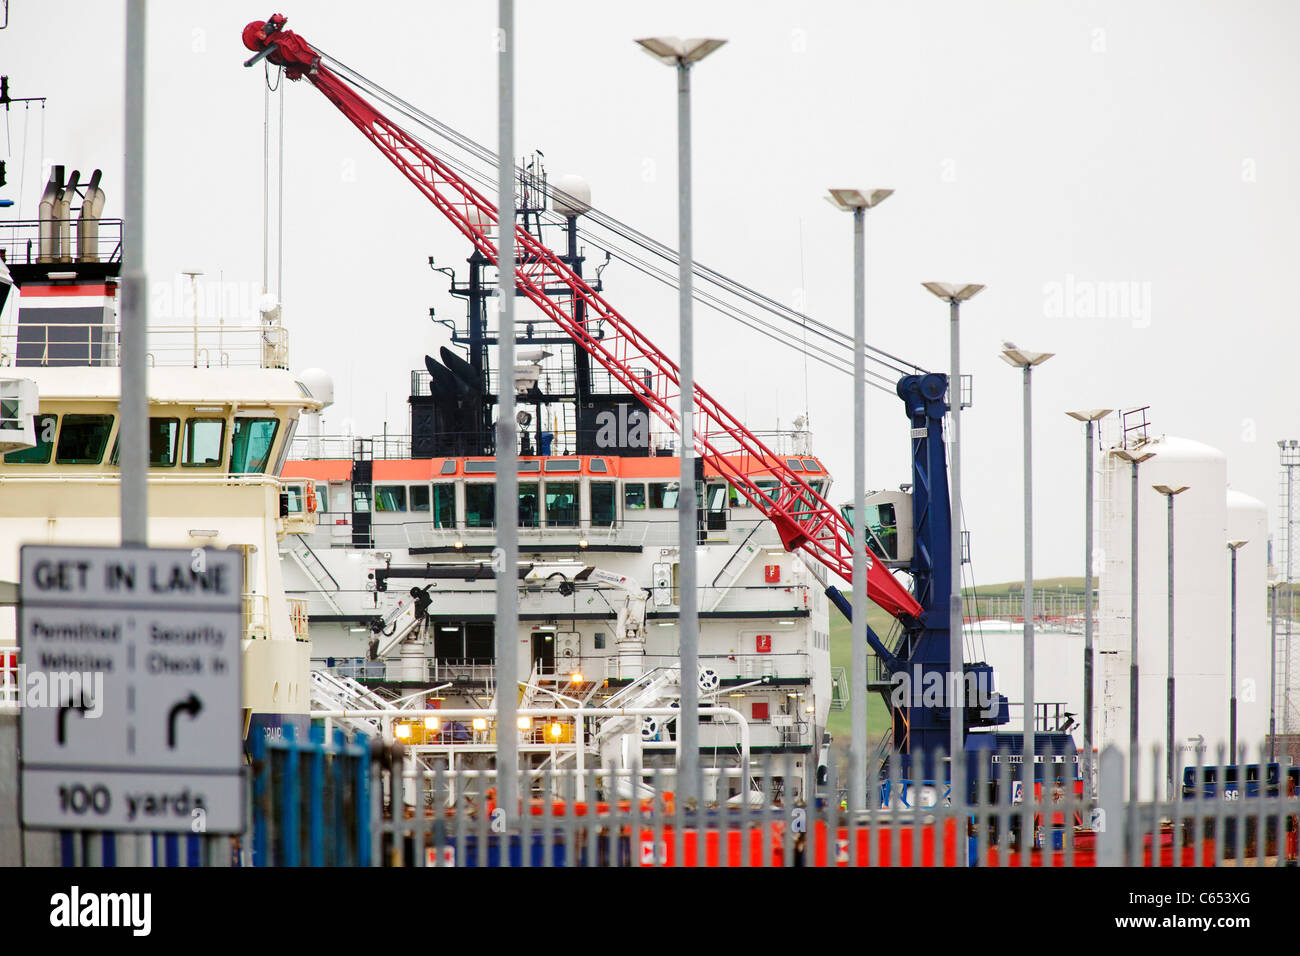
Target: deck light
525,723
480,723
402,731
557,730
575,677
431,723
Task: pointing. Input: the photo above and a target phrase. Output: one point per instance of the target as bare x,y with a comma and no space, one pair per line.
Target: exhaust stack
49,241
62,221
88,222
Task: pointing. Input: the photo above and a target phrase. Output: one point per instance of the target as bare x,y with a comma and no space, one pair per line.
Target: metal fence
379,810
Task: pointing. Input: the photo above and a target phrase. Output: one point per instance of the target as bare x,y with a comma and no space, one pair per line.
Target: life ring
311,499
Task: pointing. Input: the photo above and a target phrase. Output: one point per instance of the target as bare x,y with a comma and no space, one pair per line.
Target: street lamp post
506,440
1135,460
682,55
1234,547
1272,674
858,202
1026,360
955,294
1088,417
1170,492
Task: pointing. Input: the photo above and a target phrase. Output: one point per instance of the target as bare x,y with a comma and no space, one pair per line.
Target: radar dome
570,195
319,383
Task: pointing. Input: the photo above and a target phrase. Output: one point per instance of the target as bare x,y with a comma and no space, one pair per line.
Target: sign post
131,684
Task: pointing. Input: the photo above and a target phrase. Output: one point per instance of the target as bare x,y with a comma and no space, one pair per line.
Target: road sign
131,713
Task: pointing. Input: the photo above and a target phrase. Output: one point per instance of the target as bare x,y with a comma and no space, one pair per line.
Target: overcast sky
1060,153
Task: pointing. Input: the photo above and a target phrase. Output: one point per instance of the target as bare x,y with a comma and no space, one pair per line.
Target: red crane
803,519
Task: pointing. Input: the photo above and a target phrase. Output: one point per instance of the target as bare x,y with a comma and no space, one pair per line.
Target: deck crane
804,520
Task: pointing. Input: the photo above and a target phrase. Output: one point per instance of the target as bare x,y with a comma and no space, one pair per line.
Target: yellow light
458,545
576,677
431,723
480,723
809,708
557,730
525,723
402,731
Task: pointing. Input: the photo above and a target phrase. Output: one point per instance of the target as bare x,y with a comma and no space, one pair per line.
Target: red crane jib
804,520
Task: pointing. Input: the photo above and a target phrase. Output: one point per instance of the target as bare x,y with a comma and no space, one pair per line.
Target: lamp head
954,291
1023,358
678,52
848,200
1090,414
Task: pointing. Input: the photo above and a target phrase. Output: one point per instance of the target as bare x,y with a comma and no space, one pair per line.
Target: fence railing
764,814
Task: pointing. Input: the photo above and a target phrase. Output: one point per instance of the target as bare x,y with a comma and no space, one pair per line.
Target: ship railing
474,670
638,532
384,445
256,616
214,345
20,244
595,668
742,667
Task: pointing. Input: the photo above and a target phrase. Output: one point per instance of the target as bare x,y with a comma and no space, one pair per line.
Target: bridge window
38,454
770,489
530,511
562,504
83,439
204,442
444,505
419,497
164,436
480,505
602,504
390,498
251,445
634,496
663,494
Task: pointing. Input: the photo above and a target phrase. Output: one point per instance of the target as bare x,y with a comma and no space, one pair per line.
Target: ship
223,408
400,585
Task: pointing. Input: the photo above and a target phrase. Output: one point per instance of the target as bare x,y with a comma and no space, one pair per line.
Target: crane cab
888,525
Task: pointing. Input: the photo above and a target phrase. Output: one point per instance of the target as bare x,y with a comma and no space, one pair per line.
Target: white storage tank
1248,521
1200,602
1058,670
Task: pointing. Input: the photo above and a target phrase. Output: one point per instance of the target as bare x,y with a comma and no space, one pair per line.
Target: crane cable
896,365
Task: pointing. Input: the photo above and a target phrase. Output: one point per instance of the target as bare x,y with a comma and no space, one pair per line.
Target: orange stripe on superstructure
430,469
408,469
